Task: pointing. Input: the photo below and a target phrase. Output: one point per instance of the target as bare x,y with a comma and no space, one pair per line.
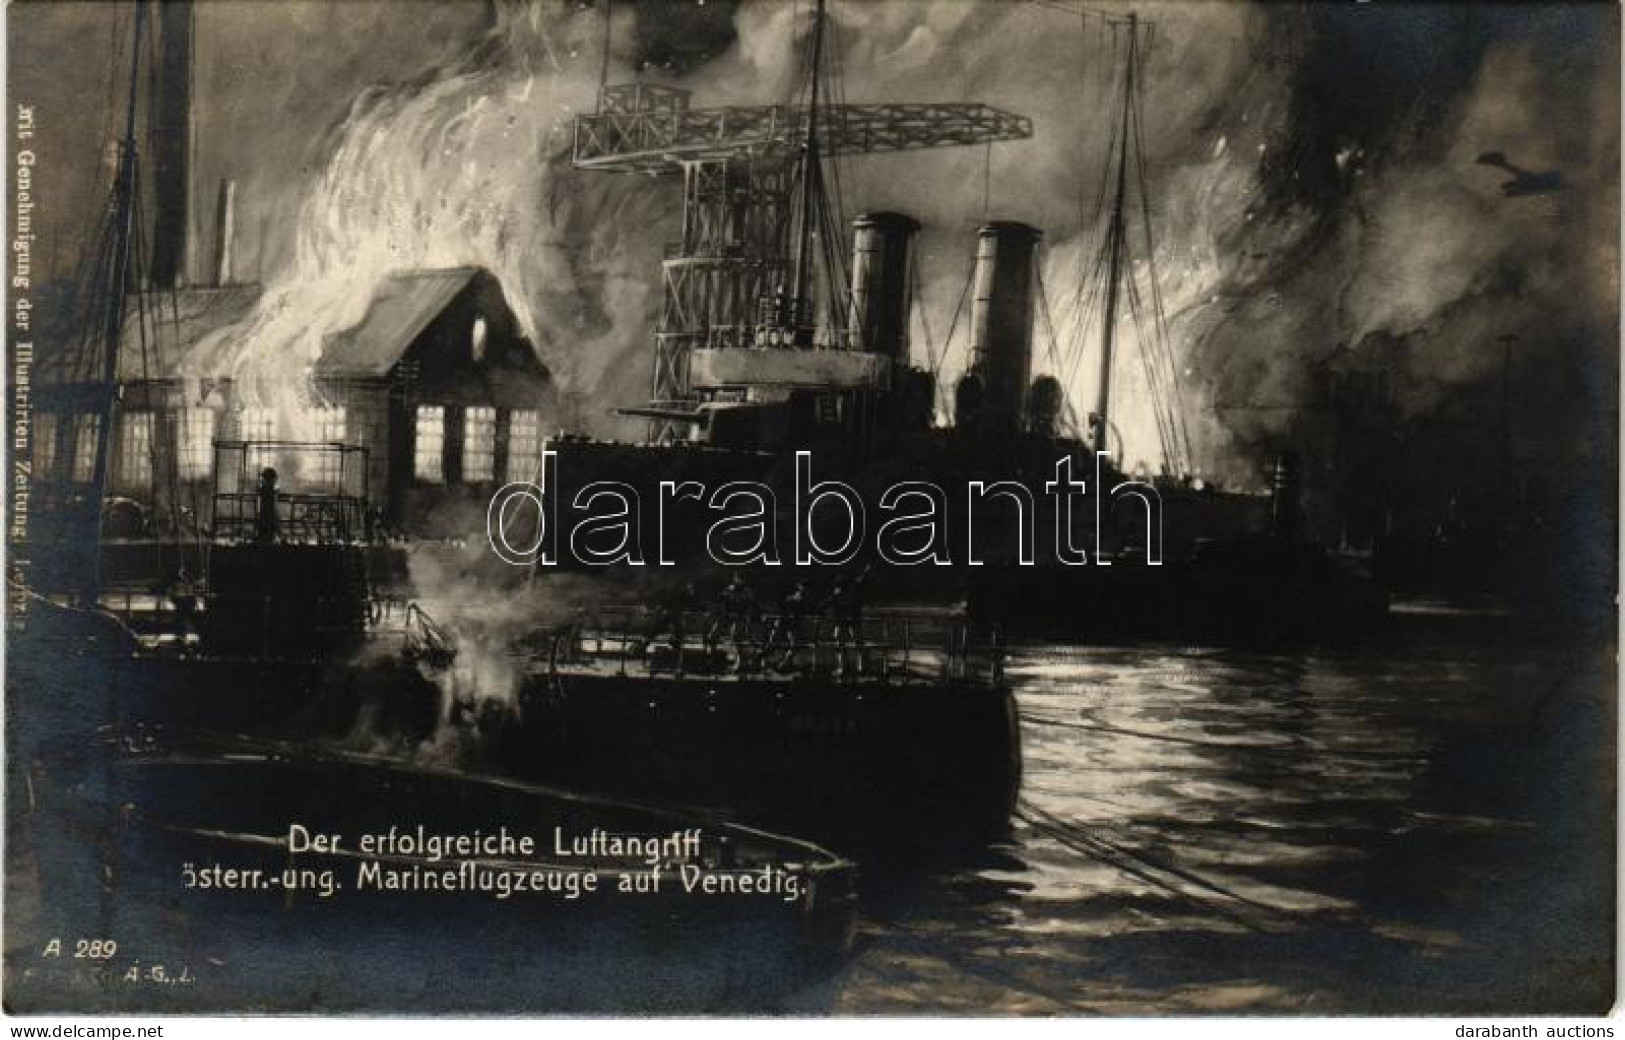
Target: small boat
249,874
894,726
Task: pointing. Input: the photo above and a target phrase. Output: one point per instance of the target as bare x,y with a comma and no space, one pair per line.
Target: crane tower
735,276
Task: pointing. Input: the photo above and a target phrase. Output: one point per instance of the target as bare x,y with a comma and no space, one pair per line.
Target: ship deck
894,648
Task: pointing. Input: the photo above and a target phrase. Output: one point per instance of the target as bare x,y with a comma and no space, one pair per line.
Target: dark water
1423,823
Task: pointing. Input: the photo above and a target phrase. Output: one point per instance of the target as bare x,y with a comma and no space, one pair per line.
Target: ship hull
858,760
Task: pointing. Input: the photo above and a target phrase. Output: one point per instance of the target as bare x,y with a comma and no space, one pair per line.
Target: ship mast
1108,290
1099,417
120,260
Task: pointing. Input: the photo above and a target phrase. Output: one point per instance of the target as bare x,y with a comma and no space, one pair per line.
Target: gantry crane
738,274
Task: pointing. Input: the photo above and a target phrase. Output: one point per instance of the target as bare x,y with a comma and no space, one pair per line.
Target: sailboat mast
1115,242
809,176
122,254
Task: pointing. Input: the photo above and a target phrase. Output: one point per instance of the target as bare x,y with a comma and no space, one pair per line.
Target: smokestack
1002,319
172,144
880,289
225,231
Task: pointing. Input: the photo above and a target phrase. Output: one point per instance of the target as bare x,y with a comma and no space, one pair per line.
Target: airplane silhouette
1523,182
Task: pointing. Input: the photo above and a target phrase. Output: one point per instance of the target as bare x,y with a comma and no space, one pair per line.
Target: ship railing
763,335
320,496
303,519
182,622
892,647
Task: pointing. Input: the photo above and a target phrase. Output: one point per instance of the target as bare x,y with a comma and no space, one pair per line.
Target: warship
784,407
777,356
263,595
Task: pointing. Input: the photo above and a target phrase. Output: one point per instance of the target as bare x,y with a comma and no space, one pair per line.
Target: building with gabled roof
436,382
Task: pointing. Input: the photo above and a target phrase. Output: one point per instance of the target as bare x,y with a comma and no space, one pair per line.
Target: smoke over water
1313,179
1409,241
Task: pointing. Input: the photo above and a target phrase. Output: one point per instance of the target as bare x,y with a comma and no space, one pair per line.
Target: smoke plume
463,165
1296,211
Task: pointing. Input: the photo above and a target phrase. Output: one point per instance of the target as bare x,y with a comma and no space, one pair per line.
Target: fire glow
456,168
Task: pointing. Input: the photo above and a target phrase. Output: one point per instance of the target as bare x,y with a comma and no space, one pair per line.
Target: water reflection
1421,824
1207,830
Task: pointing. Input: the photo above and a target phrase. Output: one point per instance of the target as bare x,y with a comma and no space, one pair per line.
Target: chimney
1002,320
225,221
171,145
880,289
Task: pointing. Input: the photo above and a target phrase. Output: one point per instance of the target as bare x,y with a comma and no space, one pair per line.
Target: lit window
258,424
524,444
135,451
430,444
479,443
477,339
44,444
330,429
195,443
330,425
85,429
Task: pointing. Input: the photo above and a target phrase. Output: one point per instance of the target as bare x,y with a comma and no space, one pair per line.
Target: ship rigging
123,307
1105,278
1105,287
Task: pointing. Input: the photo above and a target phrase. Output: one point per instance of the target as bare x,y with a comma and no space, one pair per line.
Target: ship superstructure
774,341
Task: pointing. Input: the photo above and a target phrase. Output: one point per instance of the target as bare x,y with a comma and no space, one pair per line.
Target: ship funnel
880,287
1002,320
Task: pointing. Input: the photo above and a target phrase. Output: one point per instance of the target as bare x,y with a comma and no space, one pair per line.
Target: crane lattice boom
646,128
737,274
